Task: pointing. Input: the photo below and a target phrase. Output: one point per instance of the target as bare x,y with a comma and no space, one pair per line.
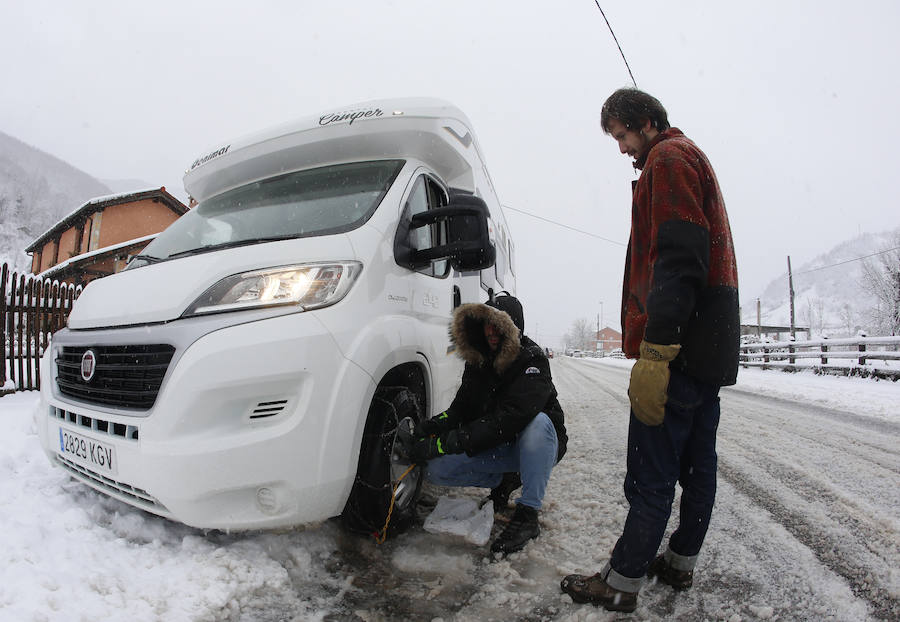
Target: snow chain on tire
371,498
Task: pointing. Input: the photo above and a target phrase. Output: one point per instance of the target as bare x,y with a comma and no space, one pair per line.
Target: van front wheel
381,467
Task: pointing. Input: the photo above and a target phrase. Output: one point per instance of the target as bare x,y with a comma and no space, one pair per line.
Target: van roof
431,130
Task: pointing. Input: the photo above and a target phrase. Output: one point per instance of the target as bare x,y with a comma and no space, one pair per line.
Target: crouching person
505,427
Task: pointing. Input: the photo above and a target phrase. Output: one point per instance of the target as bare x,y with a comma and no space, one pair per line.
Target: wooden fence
31,310
857,356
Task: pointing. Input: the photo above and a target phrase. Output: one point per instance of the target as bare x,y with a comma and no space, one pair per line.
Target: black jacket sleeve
465,404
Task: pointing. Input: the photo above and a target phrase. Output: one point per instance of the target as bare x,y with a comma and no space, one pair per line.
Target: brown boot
595,590
665,573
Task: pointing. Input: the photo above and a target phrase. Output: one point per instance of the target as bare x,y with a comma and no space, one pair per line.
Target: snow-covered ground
806,527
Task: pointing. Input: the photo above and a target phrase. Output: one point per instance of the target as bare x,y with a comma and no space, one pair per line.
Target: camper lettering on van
352,116
300,311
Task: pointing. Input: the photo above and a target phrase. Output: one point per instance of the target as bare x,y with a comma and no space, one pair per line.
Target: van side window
428,194
494,276
500,262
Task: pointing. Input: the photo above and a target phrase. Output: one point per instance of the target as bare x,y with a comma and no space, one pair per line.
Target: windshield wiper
232,244
147,258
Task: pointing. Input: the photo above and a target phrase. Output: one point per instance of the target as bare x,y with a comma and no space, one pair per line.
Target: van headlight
309,286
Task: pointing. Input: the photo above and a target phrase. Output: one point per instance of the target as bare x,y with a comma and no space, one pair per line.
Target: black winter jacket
502,391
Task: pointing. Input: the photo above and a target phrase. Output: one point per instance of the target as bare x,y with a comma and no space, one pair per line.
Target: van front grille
124,376
96,424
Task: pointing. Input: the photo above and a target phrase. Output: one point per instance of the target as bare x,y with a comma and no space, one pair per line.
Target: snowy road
806,522
806,527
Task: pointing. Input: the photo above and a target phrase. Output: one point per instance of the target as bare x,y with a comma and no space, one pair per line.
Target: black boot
500,495
665,573
522,527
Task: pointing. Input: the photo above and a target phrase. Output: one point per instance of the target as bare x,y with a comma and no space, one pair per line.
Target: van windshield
320,201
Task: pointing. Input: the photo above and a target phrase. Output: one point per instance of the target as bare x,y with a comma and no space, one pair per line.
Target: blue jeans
532,455
682,449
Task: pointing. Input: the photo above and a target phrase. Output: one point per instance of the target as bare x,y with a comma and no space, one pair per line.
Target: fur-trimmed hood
467,332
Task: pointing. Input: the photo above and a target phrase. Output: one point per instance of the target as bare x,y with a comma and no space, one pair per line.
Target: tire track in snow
861,436
840,530
761,457
597,377
830,551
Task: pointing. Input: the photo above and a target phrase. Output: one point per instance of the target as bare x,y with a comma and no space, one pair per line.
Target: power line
841,263
597,2
600,237
559,224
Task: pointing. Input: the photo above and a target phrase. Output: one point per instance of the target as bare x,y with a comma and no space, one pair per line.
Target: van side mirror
467,245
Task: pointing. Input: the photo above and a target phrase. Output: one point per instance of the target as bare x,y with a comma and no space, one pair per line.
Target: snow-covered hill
828,293
36,191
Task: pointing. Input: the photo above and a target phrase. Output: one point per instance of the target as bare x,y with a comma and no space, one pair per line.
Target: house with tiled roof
98,238
608,339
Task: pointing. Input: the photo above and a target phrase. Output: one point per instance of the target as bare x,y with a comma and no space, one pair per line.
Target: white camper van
249,368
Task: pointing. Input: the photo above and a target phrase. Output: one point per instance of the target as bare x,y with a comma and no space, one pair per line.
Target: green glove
434,426
650,382
431,447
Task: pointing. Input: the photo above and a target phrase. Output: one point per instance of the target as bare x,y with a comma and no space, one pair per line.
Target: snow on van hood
161,292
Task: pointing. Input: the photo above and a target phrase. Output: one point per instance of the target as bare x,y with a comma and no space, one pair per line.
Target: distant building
607,340
98,238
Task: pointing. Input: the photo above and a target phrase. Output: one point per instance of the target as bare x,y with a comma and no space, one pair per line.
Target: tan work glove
650,382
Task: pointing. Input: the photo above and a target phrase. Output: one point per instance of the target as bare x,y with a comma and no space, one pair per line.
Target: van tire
380,467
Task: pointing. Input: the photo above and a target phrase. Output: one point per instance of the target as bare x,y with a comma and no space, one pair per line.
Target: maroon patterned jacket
680,281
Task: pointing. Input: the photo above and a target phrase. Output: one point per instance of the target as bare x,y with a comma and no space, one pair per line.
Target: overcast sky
795,103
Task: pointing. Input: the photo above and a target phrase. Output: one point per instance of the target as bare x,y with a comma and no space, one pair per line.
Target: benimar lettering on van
299,311
210,156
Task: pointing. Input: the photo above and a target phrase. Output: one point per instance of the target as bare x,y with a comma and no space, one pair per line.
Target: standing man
680,319
505,427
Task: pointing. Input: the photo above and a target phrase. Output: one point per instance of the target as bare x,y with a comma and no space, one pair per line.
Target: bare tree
846,315
814,315
582,335
881,278
808,315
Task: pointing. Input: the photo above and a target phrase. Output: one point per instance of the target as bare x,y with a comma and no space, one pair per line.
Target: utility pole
896,324
758,318
598,345
791,290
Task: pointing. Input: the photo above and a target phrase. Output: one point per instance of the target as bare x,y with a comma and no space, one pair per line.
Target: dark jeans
682,449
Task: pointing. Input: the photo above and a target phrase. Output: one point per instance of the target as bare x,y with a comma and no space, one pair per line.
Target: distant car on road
617,354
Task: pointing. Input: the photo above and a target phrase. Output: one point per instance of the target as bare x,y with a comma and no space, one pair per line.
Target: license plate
88,452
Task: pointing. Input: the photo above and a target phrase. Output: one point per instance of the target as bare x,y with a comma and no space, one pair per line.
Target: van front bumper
256,425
